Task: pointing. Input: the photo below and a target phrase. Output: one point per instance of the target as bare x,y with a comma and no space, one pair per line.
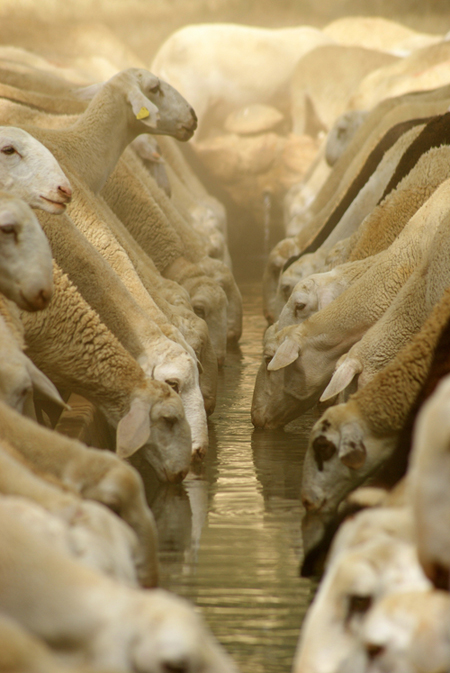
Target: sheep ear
43,384
87,92
342,378
286,353
133,429
352,453
143,108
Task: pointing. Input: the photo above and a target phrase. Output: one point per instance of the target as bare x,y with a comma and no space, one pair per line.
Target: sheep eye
198,310
300,307
9,149
174,385
323,450
358,605
9,230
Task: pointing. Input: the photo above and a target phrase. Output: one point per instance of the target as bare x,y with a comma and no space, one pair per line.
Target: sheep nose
373,650
41,299
65,192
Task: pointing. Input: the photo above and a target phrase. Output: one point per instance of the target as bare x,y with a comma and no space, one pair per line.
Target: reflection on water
230,537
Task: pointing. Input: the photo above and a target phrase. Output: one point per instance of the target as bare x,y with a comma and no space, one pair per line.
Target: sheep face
147,93
307,369
429,470
179,370
25,257
277,258
170,636
29,171
156,422
406,633
355,581
301,303
268,393
209,302
341,454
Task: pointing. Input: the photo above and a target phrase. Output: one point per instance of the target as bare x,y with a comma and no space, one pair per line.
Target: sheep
424,69
25,256
317,291
224,86
352,441
125,196
337,192
21,652
146,412
314,346
369,194
357,577
192,245
186,384
314,78
427,467
434,134
175,121
88,618
85,529
365,191
406,632
18,374
326,219
92,473
162,358
399,323
340,134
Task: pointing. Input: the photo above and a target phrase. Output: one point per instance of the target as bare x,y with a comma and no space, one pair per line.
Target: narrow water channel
230,537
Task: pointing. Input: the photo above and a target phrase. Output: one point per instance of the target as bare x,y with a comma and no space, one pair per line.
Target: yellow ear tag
143,113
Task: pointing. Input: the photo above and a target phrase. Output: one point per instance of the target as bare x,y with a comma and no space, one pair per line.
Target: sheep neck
92,147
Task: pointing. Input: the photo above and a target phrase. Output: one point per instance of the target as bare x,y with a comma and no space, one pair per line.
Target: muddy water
230,536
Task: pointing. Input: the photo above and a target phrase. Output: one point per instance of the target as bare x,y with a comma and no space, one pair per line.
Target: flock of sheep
357,297
116,284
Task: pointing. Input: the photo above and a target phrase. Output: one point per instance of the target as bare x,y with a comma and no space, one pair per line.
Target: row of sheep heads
146,630
30,177
383,602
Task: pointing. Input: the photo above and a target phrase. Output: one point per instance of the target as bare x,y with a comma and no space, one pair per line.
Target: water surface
230,537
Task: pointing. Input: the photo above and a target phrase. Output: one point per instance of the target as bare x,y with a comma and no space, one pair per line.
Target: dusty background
144,24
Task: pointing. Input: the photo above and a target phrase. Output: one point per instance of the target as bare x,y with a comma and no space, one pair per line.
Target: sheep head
30,171
25,257
157,423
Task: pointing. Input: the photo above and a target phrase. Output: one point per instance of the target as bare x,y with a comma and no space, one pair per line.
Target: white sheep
88,618
25,256
428,468
146,412
351,441
357,577
314,345
92,473
18,374
331,196
407,633
213,79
